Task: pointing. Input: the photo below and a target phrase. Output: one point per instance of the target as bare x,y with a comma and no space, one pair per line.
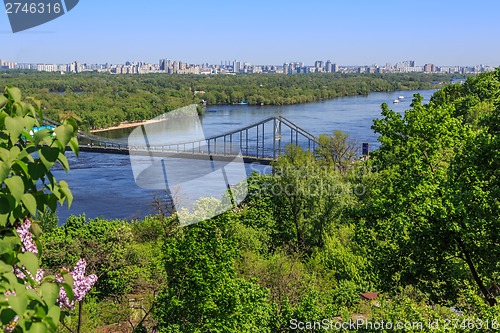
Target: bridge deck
262,142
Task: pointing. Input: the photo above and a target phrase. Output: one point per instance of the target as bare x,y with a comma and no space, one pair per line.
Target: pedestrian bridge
261,142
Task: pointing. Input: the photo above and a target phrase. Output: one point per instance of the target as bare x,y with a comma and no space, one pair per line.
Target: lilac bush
81,286
27,237
28,186
81,283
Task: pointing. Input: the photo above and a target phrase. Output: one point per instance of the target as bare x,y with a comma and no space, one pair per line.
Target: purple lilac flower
39,275
81,285
38,278
27,237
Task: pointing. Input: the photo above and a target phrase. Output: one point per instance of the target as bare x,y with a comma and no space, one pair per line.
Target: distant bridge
261,142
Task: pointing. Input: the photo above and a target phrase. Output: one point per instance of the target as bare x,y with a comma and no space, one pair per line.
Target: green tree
203,293
474,186
309,199
433,213
337,149
408,209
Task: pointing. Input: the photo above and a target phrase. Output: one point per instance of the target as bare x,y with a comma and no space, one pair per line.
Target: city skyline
169,66
349,33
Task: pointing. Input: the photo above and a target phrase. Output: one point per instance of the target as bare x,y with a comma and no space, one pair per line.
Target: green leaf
35,228
14,153
54,311
8,243
40,312
16,187
64,161
4,218
73,144
7,316
52,202
50,292
36,171
23,166
52,319
30,261
4,268
49,156
7,204
15,127
3,101
68,285
12,278
38,328
4,171
73,124
43,136
19,303
64,188
32,295
29,202
29,123
64,133
14,93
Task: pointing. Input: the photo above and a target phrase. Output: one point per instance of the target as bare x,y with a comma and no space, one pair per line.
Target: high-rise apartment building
429,68
328,66
319,65
237,66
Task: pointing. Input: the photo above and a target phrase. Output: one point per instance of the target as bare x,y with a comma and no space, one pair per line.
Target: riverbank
126,124
117,99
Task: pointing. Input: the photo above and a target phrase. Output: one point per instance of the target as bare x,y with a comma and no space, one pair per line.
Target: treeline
416,223
104,100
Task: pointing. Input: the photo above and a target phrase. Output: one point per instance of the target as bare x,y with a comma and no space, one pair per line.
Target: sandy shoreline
127,124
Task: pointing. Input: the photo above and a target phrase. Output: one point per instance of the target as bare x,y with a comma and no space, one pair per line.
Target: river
103,184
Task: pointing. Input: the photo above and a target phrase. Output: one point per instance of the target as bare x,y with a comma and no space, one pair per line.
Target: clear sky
347,32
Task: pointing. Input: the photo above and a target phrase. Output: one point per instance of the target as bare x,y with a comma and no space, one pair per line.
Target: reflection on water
353,115
103,184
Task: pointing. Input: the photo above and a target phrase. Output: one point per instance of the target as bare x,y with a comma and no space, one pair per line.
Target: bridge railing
265,139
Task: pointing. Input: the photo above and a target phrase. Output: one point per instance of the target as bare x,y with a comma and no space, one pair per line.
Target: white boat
401,97
396,101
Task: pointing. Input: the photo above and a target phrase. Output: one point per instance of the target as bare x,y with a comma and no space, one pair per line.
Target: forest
105,100
406,240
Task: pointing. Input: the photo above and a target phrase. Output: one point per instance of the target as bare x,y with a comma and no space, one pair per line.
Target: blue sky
348,32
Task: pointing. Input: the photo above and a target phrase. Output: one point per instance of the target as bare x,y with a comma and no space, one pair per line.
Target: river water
103,184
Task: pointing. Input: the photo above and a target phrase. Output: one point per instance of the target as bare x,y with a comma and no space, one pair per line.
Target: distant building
237,66
429,68
286,68
319,65
7,64
328,66
164,64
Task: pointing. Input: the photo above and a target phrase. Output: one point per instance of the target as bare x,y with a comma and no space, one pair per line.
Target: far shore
127,124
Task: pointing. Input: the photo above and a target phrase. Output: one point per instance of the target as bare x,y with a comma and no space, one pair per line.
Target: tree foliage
434,214
103,100
417,222
29,301
203,292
